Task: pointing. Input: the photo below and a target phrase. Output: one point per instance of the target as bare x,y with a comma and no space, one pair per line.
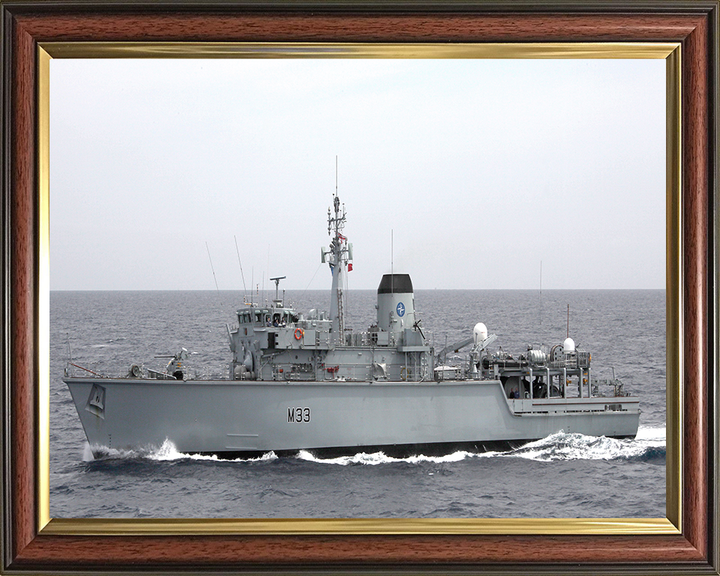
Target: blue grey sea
564,475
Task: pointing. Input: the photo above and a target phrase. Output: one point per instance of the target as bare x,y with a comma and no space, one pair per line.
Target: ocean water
564,475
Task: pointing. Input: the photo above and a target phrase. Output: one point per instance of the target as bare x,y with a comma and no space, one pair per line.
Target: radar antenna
277,285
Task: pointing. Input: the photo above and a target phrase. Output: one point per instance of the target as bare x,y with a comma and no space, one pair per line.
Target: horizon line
325,290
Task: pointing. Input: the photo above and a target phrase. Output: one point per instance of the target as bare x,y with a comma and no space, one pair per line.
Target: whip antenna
212,267
392,262
237,250
541,298
568,321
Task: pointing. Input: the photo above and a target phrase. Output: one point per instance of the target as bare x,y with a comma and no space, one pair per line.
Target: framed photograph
682,39
496,135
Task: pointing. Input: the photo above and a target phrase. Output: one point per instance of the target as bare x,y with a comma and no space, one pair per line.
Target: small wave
166,452
377,458
94,453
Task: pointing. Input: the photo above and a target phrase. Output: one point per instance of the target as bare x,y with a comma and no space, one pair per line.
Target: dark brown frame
693,24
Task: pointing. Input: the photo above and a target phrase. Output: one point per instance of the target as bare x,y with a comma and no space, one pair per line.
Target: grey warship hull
248,418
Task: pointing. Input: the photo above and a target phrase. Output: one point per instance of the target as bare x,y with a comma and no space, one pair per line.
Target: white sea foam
376,458
166,452
559,446
96,452
573,446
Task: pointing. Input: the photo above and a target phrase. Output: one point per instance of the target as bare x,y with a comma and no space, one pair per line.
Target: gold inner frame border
669,51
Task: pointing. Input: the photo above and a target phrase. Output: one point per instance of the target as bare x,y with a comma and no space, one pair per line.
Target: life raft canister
299,333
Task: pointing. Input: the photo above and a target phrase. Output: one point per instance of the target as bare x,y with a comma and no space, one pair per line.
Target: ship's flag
349,266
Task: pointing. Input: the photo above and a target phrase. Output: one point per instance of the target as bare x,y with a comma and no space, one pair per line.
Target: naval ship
308,382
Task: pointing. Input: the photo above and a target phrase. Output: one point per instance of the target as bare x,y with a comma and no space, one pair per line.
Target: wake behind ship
306,381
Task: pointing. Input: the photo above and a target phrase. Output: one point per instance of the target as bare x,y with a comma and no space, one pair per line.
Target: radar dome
569,346
480,333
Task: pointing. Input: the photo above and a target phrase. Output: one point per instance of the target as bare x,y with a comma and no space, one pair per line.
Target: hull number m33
298,415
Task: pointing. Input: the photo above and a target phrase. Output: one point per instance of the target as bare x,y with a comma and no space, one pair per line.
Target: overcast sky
480,170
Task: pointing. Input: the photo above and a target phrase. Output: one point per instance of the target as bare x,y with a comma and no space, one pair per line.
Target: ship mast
338,258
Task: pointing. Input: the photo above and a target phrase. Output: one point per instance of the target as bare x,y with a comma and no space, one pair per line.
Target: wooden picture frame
688,541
